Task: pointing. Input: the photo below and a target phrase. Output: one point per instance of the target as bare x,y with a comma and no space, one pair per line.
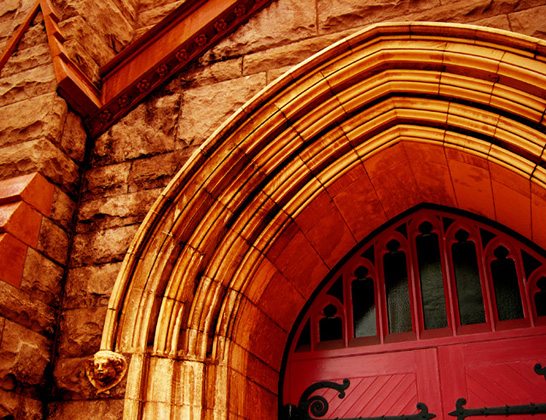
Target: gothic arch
395,115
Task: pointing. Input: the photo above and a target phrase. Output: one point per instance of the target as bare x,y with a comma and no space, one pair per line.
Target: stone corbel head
105,370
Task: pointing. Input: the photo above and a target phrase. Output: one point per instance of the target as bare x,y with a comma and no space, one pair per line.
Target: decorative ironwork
311,406
539,370
508,410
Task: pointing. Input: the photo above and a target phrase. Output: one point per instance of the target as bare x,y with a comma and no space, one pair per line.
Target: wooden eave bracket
180,38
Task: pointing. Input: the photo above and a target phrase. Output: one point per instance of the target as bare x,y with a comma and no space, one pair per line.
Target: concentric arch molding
389,118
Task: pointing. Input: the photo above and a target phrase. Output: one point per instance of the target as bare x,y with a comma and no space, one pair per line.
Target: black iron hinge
311,407
508,410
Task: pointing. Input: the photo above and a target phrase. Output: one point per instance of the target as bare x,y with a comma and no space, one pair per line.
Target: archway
393,116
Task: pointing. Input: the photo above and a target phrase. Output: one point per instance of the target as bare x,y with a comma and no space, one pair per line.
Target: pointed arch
395,115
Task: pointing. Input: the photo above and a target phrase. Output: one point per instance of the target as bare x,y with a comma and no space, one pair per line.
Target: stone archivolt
393,116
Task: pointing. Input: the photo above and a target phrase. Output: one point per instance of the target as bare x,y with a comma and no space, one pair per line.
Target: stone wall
127,167
40,139
132,162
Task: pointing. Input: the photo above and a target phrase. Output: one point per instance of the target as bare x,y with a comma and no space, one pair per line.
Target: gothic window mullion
487,286
363,312
430,277
505,270
400,320
379,294
537,296
467,274
415,289
449,283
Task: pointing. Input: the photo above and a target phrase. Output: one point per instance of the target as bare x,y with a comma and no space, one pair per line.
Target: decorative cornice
180,38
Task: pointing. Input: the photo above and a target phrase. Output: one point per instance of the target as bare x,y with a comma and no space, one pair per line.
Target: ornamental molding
171,45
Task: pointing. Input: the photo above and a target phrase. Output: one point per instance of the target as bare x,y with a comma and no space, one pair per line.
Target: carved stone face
105,370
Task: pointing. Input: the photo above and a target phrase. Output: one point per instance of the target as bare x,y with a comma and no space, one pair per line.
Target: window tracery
431,274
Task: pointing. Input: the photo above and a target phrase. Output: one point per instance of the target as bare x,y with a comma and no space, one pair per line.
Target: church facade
183,183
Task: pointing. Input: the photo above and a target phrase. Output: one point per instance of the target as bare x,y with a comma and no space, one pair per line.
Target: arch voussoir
391,117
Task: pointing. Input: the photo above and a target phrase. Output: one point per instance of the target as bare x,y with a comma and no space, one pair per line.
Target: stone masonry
104,187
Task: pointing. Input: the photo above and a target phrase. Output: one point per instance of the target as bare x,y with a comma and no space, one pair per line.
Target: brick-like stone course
38,134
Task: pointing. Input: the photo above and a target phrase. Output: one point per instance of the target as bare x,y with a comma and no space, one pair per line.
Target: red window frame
499,237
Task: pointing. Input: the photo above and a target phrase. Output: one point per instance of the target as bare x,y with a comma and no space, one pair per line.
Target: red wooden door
494,373
435,308
491,373
380,384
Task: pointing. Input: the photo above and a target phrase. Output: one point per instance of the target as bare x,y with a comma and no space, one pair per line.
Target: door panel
493,373
501,372
381,384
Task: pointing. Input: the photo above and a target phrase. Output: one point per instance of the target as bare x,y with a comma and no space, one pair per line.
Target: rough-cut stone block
86,64
74,137
13,254
17,306
287,55
106,18
53,241
151,14
24,354
106,181
36,118
108,27
35,34
279,23
27,85
42,278
21,221
26,59
13,404
111,212
203,111
8,7
81,331
9,403
103,246
147,130
39,156
207,71
529,22
63,209
90,286
499,22
155,172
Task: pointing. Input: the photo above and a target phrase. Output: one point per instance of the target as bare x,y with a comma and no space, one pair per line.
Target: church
272,209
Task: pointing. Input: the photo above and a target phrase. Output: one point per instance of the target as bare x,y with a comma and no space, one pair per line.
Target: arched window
431,274
433,279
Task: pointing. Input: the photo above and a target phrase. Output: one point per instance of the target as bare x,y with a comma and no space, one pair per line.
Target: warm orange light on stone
352,137
13,254
23,202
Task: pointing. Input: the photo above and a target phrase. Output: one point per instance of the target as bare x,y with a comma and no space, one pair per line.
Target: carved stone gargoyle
105,370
